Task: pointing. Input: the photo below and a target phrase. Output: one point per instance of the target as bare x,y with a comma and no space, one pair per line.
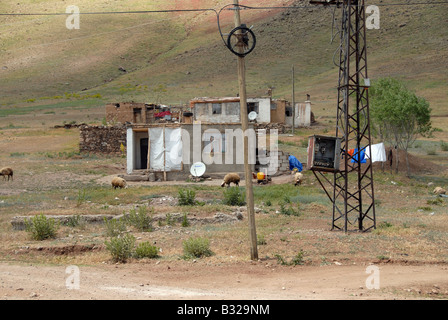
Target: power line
106,12
209,9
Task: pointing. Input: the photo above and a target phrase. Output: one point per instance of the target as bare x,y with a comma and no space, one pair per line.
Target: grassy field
290,219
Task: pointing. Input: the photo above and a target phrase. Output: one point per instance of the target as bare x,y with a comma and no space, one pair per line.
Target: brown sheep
118,182
229,178
7,172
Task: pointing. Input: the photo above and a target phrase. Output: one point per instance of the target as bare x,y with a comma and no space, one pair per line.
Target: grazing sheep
118,182
298,178
6,172
439,190
229,178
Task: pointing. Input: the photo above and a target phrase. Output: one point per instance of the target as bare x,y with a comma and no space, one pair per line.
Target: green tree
398,115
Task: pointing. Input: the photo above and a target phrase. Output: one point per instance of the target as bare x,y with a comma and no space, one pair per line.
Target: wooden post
149,152
164,154
244,127
293,101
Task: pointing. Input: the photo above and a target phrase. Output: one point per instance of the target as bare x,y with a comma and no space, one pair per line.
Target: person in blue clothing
294,163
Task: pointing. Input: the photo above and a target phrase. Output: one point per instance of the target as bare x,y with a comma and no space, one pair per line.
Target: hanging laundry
378,153
361,155
351,152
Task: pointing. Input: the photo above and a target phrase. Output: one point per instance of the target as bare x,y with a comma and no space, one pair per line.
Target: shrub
141,220
289,210
121,247
40,227
443,146
82,197
185,222
196,248
234,197
169,220
114,227
186,197
74,221
297,260
146,250
384,225
261,240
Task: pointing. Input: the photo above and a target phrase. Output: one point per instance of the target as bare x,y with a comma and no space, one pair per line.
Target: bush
146,250
40,227
121,248
297,260
114,227
186,197
196,248
261,240
141,220
443,146
288,209
185,222
74,221
234,197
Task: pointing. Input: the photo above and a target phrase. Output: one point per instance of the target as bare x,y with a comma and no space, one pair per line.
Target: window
137,115
252,106
216,108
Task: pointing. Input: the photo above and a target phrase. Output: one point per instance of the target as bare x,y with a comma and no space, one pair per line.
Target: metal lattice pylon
353,191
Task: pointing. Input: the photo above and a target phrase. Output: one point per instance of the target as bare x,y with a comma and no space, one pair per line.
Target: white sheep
118,182
7,172
298,178
229,178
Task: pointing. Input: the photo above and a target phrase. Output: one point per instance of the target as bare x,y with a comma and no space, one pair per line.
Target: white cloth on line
378,153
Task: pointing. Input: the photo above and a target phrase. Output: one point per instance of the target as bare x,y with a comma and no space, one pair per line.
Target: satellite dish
197,169
252,116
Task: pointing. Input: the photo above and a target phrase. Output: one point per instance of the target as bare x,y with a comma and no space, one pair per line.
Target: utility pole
244,127
293,101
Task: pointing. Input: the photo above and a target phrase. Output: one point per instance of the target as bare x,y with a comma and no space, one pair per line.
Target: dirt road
241,281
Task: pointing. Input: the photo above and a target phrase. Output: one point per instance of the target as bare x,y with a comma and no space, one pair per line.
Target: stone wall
282,163
102,139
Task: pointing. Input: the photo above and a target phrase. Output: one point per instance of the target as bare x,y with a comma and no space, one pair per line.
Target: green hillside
173,57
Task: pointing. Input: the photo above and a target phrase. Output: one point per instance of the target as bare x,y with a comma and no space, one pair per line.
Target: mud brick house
133,112
227,109
268,110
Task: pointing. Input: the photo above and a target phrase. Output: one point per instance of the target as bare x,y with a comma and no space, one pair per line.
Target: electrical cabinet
324,153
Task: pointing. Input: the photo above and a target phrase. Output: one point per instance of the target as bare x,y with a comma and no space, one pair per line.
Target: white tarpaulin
378,153
173,149
156,155
166,149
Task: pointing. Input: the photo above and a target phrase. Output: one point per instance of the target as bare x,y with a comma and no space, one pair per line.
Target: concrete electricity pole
245,126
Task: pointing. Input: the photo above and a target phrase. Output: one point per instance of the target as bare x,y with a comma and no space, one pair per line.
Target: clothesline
378,153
